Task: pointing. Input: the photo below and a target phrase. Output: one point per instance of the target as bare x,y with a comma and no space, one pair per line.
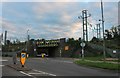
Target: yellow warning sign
66,47
23,58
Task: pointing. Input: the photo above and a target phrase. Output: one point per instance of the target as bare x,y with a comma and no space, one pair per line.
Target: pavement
18,67
37,67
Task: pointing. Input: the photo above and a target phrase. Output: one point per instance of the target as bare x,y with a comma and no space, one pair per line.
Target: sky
53,19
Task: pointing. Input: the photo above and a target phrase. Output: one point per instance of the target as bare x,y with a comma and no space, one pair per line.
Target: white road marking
62,61
3,60
39,72
2,65
34,73
25,73
67,61
44,72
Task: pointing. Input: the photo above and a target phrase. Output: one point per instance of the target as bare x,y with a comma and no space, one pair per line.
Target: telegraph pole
5,37
27,40
104,53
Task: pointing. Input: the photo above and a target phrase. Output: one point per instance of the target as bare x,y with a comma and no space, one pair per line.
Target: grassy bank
103,65
101,59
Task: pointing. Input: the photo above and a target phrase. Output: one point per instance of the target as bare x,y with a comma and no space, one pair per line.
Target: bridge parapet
48,43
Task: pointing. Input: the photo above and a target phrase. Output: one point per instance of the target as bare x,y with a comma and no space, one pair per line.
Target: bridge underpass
51,48
50,51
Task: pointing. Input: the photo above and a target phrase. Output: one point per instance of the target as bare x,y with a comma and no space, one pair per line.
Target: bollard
42,55
14,59
23,58
27,55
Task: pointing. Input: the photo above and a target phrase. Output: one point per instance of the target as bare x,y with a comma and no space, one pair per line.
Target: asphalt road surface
52,67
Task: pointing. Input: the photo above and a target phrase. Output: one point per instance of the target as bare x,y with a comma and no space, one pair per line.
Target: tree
114,32
79,39
94,39
8,42
70,39
108,34
119,30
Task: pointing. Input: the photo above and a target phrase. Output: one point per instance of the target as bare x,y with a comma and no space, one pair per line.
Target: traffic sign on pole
82,45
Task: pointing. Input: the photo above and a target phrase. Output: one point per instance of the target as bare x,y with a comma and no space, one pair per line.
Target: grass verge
103,65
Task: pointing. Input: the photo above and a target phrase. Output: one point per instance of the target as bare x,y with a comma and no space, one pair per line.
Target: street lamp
104,53
61,52
27,40
27,35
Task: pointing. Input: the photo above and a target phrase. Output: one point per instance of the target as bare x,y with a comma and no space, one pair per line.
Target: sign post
82,45
60,52
23,58
14,58
66,48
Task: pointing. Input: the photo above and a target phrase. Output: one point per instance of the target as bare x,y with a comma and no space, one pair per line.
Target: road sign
34,49
66,47
114,51
23,55
23,58
82,44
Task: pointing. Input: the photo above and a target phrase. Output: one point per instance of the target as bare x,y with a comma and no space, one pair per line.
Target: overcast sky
52,20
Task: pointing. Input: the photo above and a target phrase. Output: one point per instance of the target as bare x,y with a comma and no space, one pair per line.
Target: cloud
50,20
58,0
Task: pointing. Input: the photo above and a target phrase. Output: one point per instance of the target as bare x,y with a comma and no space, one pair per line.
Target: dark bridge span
50,51
50,47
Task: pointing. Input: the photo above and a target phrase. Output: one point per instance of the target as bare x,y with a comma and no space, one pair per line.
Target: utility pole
85,27
5,37
27,40
104,53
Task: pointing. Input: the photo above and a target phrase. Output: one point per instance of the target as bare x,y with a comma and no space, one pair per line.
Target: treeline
113,33
112,38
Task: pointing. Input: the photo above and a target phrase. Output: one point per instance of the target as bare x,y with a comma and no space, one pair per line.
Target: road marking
67,61
3,60
40,72
25,73
62,61
44,72
34,73
2,65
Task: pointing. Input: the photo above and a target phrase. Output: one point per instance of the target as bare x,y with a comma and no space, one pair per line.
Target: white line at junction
44,72
62,61
2,65
3,60
25,73
37,72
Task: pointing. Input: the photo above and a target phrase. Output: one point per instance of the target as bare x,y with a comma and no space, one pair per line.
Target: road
52,67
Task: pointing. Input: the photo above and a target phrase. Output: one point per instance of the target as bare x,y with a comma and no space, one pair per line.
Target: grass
100,58
103,65
94,58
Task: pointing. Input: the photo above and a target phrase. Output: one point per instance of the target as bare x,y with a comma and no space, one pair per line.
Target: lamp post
104,53
27,40
61,52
